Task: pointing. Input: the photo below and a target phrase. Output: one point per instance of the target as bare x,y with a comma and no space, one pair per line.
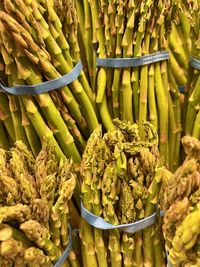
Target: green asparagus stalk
12,249
36,257
108,201
31,134
86,231
19,212
35,232
8,232
4,142
185,238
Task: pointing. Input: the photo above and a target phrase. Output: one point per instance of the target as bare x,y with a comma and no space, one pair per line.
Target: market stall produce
181,205
92,111
126,29
121,177
36,46
191,111
35,197
180,48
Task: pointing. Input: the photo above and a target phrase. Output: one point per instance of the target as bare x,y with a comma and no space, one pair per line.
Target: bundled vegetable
37,45
34,213
182,209
125,29
191,112
121,178
180,49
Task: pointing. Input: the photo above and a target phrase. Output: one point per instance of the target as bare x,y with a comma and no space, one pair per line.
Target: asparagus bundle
192,114
121,178
124,29
181,204
35,207
180,48
36,45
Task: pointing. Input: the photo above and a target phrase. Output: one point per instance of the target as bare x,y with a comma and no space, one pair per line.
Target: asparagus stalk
35,232
36,257
36,118
4,142
31,134
149,208
19,212
110,177
86,231
8,232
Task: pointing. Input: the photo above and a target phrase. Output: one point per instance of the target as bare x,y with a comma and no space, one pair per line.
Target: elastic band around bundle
45,86
99,222
168,261
132,62
195,63
66,252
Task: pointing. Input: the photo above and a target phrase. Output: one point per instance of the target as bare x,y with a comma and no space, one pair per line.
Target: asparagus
6,116
86,231
40,211
4,142
8,232
10,188
35,232
35,257
23,177
32,110
181,204
46,165
191,118
185,238
100,156
45,217
60,211
180,34
31,134
109,213
123,173
19,212
32,31
14,250
126,29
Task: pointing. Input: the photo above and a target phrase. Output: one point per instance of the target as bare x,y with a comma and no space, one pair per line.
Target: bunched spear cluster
182,209
121,178
191,110
124,29
36,45
35,197
180,48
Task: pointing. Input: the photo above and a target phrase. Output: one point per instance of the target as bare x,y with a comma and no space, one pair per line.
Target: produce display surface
99,133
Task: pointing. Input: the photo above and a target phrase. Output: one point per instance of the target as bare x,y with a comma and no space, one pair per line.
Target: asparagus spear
19,212
86,231
14,250
110,180
23,177
40,211
40,235
185,238
36,257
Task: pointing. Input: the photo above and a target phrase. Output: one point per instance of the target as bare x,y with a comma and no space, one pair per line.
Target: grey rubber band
45,86
66,252
132,62
162,213
195,63
168,261
99,222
